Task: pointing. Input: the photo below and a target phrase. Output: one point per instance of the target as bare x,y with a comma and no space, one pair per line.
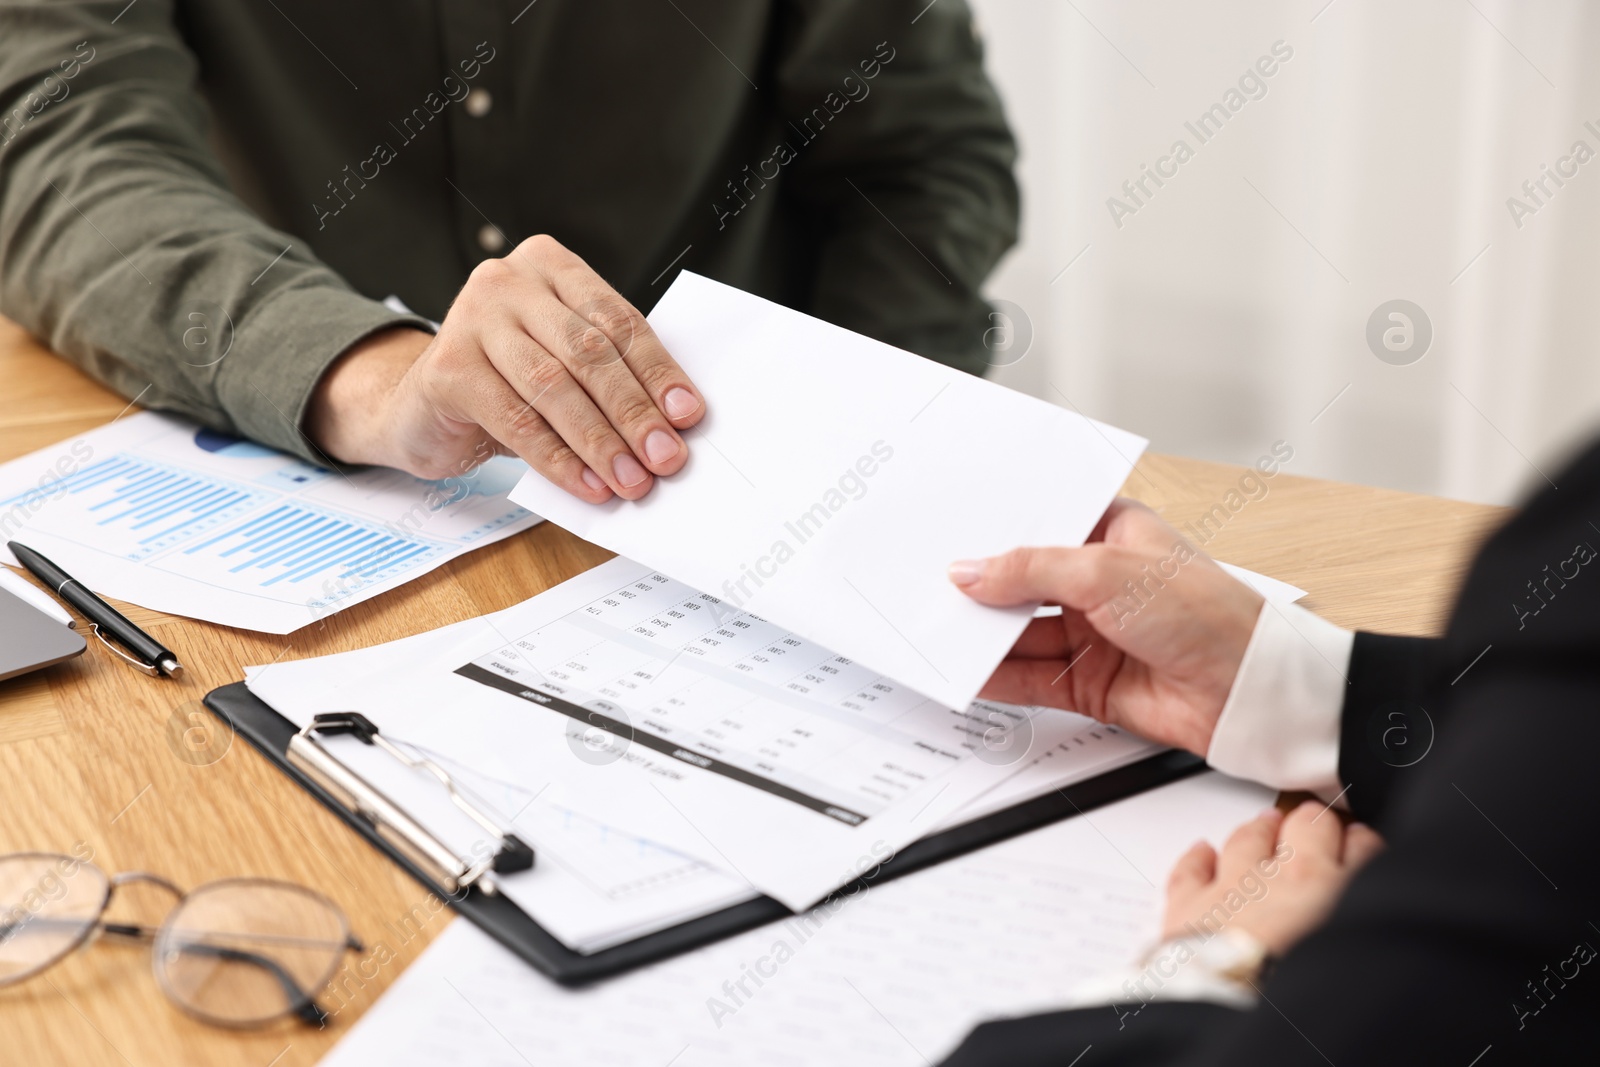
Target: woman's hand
1151,631
1277,878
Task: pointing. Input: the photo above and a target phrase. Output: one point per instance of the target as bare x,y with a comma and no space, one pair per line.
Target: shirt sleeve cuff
1170,972
1280,725
281,351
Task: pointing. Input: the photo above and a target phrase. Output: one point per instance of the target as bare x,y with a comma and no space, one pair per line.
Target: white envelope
834,478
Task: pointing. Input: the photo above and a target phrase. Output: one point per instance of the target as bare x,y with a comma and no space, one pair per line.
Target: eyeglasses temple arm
143,933
304,1006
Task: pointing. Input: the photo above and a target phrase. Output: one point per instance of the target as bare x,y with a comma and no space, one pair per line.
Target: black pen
149,655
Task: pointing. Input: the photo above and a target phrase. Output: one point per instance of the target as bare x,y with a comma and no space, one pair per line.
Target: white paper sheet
846,787
835,478
159,512
896,975
592,885
749,749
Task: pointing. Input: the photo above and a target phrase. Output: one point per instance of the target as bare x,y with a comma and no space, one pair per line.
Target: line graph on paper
612,863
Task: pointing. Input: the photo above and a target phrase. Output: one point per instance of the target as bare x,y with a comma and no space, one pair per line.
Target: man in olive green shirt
205,203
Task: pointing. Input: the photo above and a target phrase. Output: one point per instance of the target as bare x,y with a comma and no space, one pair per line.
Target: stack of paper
778,695
736,742
894,976
741,758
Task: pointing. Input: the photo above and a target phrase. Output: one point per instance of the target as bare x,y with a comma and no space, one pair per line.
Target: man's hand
1157,656
1278,876
538,358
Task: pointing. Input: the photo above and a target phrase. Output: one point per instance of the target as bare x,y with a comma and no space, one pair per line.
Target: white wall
1231,308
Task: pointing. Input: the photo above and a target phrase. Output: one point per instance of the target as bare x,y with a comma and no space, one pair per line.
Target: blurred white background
1231,309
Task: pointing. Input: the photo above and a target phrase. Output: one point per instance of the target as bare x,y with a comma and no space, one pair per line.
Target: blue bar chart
194,521
290,544
136,508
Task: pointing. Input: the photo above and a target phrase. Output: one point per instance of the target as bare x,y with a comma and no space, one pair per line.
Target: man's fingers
1078,578
666,382
519,430
1361,844
600,401
581,289
1195,868
1253,842
598,366
1313,830
546,386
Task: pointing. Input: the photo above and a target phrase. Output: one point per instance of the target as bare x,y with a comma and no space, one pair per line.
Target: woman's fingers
1078,578
1194,869
1361,844
1253,842
1313,830
1125,515
1029,682
1074,678
1043,638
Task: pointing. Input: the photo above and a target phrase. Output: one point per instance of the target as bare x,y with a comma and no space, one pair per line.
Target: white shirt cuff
1280,725
1169,973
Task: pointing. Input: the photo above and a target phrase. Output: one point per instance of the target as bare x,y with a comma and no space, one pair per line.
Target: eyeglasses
238,952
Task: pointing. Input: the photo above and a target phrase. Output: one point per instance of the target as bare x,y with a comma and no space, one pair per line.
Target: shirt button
490,239
478,103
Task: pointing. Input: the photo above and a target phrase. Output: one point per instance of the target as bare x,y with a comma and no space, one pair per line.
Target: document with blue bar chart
160,512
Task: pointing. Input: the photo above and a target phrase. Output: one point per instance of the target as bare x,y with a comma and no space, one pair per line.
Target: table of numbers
701,679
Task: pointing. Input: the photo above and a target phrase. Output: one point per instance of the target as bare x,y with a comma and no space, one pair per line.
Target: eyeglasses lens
243,952
48,905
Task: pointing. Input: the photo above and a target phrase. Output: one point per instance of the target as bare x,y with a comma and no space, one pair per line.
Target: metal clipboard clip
391,823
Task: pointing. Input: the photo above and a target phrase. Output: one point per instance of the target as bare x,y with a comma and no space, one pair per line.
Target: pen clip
144,668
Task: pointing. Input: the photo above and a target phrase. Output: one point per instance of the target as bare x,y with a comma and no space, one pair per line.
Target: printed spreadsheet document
627,696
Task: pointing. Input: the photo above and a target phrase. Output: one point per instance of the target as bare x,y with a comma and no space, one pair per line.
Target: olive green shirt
204,203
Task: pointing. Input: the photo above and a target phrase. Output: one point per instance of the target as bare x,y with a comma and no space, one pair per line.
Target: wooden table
92,751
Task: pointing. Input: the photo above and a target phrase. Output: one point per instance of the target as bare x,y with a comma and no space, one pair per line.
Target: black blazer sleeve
1473,938
1390,717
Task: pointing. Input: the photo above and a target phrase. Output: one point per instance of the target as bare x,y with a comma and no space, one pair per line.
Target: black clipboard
269,733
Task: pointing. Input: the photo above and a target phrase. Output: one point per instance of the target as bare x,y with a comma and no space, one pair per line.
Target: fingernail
628,471
593,480
660,446
966,571
680,402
